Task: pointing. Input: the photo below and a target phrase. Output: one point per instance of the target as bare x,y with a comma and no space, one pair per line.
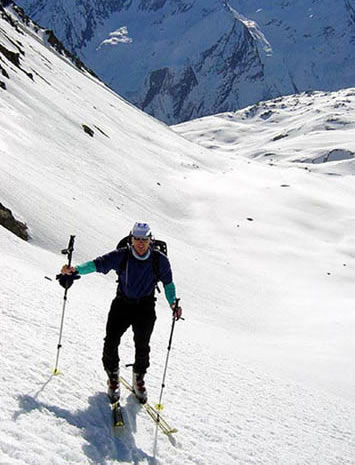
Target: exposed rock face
8,221
183,59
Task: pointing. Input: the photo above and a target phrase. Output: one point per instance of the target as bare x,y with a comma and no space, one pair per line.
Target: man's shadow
95,422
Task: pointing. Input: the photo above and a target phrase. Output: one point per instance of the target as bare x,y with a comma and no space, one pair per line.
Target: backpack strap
156,268
124,261
123,244
123,264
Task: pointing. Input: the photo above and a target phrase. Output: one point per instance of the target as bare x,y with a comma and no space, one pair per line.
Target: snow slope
261,370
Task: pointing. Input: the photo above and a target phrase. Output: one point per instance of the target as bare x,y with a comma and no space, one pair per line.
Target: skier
134,304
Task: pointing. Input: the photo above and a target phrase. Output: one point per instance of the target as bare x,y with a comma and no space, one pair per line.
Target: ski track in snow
261,370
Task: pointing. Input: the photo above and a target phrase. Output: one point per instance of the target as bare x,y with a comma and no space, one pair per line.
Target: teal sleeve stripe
86,268
170,292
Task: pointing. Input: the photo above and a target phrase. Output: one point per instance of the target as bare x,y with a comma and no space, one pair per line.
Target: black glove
177,310
66,280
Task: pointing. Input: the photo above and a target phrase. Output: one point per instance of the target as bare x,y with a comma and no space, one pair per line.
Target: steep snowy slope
180,60
261,370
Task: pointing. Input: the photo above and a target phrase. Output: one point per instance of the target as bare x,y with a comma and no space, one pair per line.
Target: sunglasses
143,239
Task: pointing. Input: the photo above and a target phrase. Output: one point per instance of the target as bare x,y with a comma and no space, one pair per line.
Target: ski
117,417
151,411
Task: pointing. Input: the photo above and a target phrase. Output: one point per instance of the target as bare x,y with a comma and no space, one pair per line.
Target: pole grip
70,249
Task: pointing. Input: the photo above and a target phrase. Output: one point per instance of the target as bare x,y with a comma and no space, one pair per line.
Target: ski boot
113,385
139,387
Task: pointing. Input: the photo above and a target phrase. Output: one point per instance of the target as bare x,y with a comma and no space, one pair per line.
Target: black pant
123,314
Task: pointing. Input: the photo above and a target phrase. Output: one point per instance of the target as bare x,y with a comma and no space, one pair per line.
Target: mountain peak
214,55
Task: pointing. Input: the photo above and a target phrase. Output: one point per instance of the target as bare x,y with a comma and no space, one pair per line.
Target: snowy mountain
307,121
261,370
179,60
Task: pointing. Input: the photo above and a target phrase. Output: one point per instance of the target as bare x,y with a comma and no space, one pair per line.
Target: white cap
141,230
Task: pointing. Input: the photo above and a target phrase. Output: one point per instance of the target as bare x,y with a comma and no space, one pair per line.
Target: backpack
157,246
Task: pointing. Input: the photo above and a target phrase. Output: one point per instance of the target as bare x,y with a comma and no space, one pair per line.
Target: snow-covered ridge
254,30
306,129
261,370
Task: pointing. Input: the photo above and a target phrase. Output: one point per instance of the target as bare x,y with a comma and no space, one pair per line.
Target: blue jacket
137,278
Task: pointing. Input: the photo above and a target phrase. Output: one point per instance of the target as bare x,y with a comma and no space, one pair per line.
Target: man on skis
139,268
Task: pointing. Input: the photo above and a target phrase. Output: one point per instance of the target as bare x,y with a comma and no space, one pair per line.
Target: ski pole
68,251
159,405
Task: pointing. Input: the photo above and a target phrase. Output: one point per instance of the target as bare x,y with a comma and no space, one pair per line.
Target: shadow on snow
102,444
